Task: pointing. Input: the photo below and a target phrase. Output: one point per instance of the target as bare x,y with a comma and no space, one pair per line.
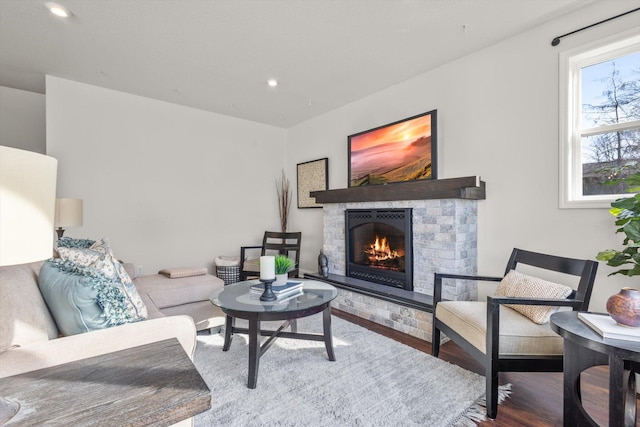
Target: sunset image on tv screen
398,152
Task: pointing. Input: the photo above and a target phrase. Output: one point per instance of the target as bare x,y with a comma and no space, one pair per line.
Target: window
600,120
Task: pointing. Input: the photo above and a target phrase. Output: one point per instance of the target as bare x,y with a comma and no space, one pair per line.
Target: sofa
180,291
30,338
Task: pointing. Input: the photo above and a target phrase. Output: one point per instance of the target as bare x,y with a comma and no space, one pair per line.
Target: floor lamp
27,206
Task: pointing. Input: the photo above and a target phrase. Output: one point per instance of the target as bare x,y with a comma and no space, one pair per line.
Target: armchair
273,243
501,338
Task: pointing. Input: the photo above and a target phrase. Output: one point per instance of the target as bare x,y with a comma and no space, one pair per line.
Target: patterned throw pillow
100,258
516,284
82,299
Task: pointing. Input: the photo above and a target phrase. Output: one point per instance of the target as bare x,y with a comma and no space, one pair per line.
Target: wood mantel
469,187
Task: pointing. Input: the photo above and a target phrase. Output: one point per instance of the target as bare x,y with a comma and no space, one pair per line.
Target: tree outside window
610,140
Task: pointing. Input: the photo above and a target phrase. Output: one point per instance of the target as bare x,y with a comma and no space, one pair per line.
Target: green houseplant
283,264
627,213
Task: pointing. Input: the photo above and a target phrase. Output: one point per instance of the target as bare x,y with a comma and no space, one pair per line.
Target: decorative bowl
624,307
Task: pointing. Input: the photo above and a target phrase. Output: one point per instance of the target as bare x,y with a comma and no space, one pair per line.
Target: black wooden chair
273,243
499,337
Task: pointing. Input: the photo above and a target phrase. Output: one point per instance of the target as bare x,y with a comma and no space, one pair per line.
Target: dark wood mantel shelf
469,187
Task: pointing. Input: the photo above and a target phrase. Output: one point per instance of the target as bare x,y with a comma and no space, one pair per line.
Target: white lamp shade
27,205
68,213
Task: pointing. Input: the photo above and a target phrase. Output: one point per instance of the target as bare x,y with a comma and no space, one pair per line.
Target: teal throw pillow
82,299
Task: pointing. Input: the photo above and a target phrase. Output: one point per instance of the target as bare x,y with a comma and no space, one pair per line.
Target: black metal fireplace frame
356,217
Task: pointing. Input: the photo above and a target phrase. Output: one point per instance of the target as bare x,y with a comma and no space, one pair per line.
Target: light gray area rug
375,381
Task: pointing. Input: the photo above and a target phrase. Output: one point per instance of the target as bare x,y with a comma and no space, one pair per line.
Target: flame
380,250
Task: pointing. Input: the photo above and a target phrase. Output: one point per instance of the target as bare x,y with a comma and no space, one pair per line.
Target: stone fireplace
443,239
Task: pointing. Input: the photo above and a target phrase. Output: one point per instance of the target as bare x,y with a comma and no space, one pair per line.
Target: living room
172,185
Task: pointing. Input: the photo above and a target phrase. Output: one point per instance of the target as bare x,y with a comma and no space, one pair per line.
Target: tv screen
401,151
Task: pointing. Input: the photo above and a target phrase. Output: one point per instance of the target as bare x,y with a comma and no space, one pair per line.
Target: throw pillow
516,284
82,299
100,257
70,242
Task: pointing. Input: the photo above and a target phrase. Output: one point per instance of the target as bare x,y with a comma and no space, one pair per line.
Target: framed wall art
312,176
405,150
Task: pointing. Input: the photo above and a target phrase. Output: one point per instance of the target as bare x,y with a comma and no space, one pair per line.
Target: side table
584,348
149,385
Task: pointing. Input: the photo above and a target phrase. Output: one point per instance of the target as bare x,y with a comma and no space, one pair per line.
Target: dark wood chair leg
435,341
492,392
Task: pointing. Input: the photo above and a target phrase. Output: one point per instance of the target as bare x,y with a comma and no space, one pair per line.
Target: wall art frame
405,150
312,176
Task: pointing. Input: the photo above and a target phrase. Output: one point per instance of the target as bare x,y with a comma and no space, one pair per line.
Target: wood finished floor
536,398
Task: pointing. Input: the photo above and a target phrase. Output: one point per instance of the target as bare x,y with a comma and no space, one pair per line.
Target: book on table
604,325
290,287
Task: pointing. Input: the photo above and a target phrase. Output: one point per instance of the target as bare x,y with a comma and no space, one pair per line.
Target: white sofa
29,337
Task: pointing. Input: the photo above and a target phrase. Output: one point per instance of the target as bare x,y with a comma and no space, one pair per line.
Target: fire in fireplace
379,247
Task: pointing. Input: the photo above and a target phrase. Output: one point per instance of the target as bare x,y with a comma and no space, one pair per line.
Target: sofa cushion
83,299
44,354
24,317
165,292
516,284
100,257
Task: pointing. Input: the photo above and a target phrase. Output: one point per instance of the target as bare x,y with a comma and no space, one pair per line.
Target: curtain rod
556,41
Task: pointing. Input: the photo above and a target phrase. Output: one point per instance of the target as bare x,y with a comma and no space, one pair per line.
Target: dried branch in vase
284,200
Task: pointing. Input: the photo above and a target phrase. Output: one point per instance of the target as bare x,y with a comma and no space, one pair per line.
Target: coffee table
236,301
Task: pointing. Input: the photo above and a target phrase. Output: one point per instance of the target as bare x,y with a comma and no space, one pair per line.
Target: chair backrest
585,269
283,243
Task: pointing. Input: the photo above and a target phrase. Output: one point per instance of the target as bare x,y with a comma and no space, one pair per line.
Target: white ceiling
216,55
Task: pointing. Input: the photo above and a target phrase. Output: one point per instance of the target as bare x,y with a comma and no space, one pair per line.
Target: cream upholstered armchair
510,331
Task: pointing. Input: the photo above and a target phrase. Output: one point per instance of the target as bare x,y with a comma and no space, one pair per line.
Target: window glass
600,133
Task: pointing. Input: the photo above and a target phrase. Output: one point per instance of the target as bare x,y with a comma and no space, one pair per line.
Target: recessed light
58,10
272,82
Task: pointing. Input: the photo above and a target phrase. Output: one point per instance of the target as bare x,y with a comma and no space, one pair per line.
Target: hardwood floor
536,398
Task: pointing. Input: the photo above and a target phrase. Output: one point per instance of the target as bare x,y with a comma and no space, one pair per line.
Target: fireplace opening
379,247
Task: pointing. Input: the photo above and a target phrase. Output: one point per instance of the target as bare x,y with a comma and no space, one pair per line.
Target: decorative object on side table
282,266
624,307
267,276
323,264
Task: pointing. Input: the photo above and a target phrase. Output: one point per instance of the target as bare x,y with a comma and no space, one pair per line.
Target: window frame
571,63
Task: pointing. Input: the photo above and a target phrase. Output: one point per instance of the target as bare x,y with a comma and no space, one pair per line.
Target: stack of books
290,290
608,328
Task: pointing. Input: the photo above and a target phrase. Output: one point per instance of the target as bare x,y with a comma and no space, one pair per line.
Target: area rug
375,381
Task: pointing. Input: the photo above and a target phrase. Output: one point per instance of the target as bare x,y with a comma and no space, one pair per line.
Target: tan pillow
516,284
176,273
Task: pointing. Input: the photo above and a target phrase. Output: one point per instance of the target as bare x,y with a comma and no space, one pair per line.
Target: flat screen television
405,150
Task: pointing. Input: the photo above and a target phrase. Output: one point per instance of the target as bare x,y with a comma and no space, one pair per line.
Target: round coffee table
237,302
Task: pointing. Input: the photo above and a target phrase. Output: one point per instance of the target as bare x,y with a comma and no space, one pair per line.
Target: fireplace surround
444,228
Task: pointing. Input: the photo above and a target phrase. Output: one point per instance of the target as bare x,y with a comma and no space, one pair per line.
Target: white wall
169,186
22,119
498,118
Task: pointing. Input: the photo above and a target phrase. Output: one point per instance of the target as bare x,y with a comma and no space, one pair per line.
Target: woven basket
228,273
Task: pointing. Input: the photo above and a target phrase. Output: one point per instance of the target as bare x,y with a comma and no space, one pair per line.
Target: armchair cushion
518,334
516,284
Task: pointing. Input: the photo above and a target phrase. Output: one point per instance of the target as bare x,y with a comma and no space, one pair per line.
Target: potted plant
283,265
627,213
624,307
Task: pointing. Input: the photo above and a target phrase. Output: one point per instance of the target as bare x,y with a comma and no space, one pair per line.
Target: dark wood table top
569,326
154,384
